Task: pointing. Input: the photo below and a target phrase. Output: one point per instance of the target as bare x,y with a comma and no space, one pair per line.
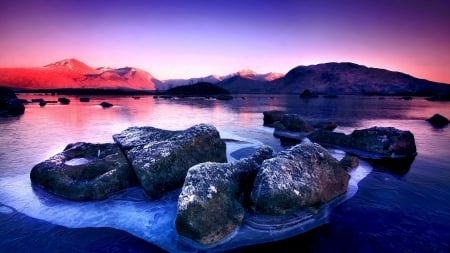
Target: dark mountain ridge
351,78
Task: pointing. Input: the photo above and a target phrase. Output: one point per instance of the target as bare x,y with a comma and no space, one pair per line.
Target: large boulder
371,143
85,171
211,203
9,103
162,158
297,178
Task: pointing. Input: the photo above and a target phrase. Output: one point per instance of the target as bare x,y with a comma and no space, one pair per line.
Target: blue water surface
393,210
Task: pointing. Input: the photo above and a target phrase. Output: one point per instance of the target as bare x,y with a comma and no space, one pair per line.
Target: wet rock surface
302,176
271,117
161,161
85,171
371,143
291,128
211,203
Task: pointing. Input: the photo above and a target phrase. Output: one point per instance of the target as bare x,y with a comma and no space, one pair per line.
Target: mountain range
72,73
328,78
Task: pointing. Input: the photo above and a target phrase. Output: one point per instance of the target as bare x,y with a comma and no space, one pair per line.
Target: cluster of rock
375,143
214,194
157,159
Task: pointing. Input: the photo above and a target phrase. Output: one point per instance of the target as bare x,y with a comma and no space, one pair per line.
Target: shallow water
392,211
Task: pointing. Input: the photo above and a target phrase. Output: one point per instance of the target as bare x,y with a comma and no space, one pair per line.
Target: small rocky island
9,103
216,195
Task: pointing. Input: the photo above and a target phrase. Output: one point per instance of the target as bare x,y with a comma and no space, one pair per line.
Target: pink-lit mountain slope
72,73
245,74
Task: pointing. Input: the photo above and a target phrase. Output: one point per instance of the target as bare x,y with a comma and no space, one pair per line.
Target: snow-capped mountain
245,73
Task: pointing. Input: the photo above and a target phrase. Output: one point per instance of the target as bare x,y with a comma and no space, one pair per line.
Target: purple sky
192,38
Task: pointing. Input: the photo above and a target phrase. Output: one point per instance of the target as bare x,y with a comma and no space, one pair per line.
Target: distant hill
351,78
198,89
337,79
328,78
72,73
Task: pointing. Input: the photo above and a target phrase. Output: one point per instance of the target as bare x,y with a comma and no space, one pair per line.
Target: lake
390,210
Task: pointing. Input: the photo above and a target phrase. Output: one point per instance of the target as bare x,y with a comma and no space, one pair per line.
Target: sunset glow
182,39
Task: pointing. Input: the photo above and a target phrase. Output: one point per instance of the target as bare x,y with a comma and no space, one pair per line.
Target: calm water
390,212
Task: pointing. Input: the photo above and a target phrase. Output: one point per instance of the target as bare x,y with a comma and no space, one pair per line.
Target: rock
438,120
42,103
85,171
297,178
307,94
85,99
224,97
271,117
294,122
326,125
161,159
37,100
444,97
64,101
211,203
371,143
106,104
349,162
9,103
140,136
291,129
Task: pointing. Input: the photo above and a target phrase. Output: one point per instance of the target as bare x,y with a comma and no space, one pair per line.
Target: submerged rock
64,101
371,143
162,158
9,103
85,171
211,203
106,104
438,120
300,177
308,94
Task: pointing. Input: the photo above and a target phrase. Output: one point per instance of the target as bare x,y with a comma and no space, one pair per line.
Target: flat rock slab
85,171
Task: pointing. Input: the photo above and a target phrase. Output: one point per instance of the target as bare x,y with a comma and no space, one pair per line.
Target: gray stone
211,203
300,177
371,143
294,122
85,171
161,159
291,129
139,136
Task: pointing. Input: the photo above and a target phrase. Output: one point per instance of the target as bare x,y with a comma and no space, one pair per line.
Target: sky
193,38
